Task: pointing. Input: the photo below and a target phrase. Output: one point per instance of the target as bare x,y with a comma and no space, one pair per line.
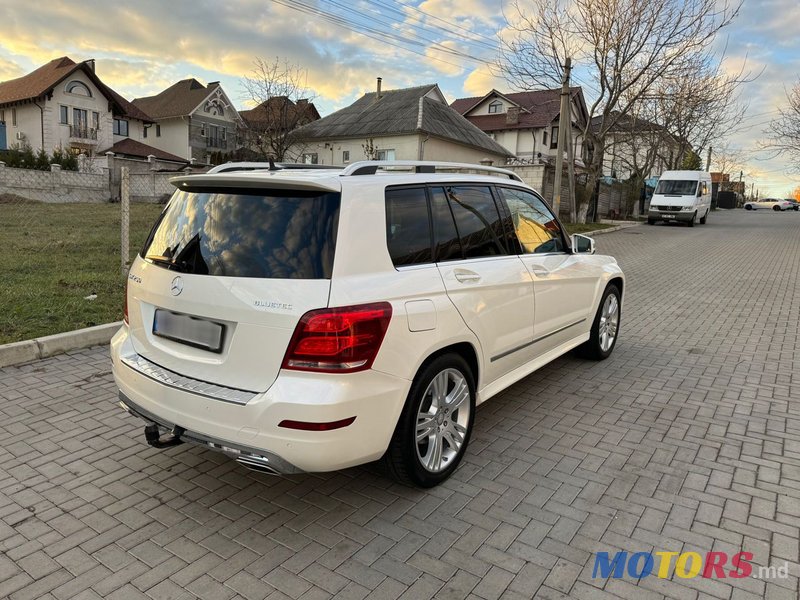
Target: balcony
82,133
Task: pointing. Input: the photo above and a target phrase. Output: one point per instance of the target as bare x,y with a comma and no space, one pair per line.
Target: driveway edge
610,229
27,351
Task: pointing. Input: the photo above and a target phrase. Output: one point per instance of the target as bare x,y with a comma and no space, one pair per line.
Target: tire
595,348
748,207
776,208
411,462
691,222
704,219
651,221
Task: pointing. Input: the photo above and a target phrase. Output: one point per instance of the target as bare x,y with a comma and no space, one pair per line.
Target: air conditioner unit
20,136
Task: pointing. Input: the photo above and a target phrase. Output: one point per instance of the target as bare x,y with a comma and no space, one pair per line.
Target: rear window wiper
167,262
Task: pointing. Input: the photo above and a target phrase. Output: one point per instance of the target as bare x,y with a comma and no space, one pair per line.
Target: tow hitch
154,438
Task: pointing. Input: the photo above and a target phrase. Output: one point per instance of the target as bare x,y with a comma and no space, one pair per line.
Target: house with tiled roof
403,124
192,120
526,123
64,104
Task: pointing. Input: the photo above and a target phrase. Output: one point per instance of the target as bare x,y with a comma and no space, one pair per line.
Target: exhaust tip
258,464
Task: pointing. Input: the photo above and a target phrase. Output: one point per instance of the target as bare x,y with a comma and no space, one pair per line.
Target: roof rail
230,167
370,167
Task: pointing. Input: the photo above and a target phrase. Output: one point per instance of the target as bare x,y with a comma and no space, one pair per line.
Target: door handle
465,276
539,271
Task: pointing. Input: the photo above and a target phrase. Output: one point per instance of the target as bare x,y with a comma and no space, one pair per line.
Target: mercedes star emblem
177,286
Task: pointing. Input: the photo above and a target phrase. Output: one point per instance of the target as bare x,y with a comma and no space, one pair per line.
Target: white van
681,196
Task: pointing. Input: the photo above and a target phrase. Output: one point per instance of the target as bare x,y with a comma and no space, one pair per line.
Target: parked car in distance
795,203
775,204
313,320
681,196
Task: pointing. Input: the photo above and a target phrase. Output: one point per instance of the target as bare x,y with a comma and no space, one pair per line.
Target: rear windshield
273,235
675,187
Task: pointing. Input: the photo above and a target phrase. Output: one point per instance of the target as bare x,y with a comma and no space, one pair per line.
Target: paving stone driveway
688,438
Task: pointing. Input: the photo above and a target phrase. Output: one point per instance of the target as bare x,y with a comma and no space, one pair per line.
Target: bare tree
282,102
626,46
785,129
728,160
370,151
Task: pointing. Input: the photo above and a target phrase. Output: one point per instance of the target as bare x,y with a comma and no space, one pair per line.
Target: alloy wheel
609,322
442,420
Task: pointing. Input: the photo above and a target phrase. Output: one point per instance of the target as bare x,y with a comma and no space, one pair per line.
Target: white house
64,104
192,120
526,123
405,124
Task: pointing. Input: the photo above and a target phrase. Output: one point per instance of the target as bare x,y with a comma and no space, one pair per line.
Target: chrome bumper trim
267,461
186,384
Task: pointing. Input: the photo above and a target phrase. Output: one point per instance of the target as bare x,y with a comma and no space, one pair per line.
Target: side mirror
582,244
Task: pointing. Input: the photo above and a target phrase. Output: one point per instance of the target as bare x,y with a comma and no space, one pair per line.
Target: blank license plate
668,216
189,330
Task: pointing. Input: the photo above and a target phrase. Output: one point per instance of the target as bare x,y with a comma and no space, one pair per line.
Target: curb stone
26,351
610,229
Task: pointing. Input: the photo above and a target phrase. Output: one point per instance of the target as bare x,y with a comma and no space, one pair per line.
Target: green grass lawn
54,255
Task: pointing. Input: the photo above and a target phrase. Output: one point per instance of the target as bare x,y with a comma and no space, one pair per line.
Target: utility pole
708,160
562,133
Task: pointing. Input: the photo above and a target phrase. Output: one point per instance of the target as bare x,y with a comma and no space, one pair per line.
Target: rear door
564,284
487,283
224,278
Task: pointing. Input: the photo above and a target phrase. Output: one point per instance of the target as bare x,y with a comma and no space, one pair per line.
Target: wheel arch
464,349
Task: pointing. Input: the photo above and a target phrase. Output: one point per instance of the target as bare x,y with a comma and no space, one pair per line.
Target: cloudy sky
144,46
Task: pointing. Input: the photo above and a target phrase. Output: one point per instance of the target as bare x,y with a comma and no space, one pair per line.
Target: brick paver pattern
687,438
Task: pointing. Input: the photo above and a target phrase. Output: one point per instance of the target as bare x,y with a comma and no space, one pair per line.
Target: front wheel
434,428
692,221
704,219
748,207
651,221
605,328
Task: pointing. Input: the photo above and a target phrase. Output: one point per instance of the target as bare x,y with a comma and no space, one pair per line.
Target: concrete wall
54,186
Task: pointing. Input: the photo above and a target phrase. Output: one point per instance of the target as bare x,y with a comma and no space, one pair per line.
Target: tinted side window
408,228
536,227
448,246
477,220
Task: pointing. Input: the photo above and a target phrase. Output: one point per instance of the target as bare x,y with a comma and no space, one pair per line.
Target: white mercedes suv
316,319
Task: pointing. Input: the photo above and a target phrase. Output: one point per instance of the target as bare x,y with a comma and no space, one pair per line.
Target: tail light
338,340
125,305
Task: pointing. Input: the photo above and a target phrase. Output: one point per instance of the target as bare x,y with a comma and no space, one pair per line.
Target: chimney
302,102
512,115
378,95
90,62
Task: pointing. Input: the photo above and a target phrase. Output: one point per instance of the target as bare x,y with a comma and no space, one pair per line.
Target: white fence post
125,203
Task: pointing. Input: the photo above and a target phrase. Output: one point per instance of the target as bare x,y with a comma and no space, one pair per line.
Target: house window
554,137
202,130
345,156
495,107
223,134
158,130
78,88
80,119
544,138
121,127
14,117
385,155
144,131
310,159
63,112
96,120
2,116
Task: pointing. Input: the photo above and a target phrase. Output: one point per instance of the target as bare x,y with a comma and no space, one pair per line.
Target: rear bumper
251,429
